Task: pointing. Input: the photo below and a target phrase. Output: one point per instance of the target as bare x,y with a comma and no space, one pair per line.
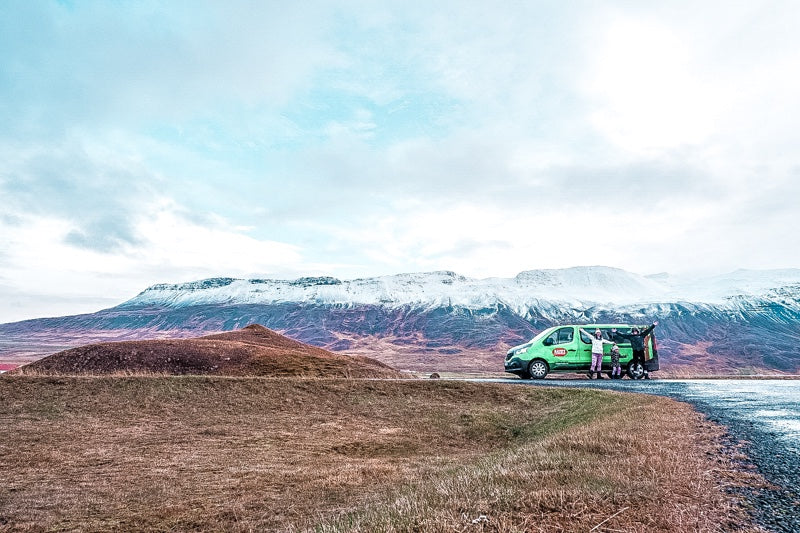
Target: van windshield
539,335
562,335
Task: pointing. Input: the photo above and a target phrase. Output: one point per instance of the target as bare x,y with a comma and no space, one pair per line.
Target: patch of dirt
251,351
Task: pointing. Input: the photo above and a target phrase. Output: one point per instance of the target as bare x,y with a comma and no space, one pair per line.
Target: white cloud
718,79
171,243
40,266
490,240
649,93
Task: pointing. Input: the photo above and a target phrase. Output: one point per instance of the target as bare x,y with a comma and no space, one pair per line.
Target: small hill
251,351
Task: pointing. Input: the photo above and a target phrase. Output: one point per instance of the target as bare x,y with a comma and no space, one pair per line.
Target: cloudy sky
145,142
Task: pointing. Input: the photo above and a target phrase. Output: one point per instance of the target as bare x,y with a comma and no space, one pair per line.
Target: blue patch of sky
246,135
309,120
382,72
411,115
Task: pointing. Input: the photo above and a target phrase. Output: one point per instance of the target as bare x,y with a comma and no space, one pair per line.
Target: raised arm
648,329
616,333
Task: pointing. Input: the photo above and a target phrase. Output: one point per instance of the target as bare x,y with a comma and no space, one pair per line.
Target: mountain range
745,322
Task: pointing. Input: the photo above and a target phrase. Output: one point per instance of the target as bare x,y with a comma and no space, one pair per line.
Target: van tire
635,371
538,369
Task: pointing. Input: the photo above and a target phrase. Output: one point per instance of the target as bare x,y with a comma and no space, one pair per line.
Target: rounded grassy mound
251,351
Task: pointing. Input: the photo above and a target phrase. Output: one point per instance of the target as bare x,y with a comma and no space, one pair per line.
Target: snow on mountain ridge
577,286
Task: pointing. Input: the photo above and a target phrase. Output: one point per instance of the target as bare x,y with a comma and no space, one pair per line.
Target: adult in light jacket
597,352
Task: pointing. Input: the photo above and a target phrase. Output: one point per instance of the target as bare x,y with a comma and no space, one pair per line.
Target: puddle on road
770,403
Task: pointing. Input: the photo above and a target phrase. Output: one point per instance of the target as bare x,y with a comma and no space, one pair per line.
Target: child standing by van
616,369
597,351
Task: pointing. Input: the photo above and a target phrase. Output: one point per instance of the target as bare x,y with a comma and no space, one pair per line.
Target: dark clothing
614,357
638,357
616,370
636,340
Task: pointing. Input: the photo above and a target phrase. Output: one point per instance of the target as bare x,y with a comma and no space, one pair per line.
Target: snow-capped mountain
575,286
578,285
745,321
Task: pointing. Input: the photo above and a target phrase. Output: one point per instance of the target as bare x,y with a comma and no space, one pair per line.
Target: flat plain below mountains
178,453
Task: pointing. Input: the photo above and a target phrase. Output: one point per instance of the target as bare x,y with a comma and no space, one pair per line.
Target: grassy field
241,454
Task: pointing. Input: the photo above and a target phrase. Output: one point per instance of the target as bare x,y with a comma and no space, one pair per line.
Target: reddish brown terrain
251,351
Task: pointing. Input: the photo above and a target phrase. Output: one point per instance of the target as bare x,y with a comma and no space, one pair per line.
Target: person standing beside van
616,369
636,338
597,352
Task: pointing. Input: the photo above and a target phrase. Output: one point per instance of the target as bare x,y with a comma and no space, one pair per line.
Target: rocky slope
746,321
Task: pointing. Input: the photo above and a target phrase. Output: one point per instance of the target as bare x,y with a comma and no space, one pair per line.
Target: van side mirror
548,341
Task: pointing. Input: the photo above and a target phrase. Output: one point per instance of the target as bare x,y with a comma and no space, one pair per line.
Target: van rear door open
651,352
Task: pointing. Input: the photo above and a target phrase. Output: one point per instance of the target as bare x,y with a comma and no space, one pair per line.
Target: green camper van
566,349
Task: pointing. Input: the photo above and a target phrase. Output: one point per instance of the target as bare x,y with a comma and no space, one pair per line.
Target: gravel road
764,414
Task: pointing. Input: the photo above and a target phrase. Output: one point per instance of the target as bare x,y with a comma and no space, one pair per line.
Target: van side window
604,332
620,340
560,336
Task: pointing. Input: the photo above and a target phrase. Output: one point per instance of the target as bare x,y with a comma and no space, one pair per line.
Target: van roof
587,326
607,325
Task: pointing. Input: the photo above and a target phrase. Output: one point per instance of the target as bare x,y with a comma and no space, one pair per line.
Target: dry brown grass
213,453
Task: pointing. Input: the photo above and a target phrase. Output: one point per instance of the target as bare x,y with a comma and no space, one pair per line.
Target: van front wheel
538,369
